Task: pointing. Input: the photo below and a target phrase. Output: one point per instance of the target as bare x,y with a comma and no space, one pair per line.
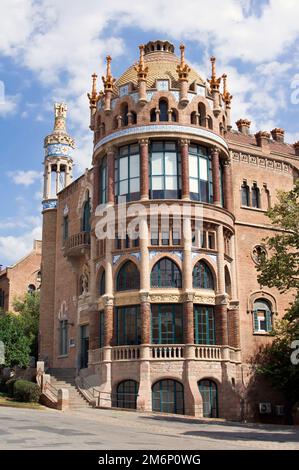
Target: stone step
76,400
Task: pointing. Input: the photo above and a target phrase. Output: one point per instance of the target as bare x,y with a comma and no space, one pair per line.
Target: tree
16,343
281,270
28,310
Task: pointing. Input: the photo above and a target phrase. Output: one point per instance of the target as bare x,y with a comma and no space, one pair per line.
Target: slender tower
58,165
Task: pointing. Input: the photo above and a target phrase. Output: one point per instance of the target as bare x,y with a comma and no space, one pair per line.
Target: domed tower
58,165
166,300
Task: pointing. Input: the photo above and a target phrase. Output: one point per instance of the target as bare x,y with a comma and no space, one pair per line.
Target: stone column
110,165
57,178
234,322
144,169
145,312
187,283
221,297
188,319
184,143
108,321
216,176
228,185
47,193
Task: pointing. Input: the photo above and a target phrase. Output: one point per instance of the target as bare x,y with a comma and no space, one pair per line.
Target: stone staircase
63,378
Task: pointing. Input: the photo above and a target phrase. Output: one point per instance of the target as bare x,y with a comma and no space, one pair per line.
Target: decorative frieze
262,162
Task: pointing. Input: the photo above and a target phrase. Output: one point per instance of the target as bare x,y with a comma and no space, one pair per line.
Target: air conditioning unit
279,410
265,408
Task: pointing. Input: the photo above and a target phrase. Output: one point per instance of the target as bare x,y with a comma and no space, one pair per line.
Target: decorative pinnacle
183,69
93,96
108,80
226,95
214,82
140,68
60,110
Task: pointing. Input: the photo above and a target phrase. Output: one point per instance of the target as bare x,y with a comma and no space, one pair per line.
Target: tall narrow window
63,337
65,227
255,196
128,326
102,330
163,108
202,276
167,323
128,277
86,215
245,193
165,170
127,174
166,273
209,394
204,325
103,181
200,170
262,316
102,286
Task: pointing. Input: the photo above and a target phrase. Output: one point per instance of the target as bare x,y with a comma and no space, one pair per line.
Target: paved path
113,429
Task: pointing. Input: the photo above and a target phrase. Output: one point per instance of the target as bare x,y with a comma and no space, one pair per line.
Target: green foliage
281,268
9,386
28,310
274,360
17,344
26,391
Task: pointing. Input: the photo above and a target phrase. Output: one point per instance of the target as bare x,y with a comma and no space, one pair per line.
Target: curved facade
165,313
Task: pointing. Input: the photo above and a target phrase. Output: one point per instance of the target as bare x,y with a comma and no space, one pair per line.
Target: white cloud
12,248
8,104
25,178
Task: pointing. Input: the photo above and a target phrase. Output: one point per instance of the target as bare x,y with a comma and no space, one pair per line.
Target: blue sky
49,49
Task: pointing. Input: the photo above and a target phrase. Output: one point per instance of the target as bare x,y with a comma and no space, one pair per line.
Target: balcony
77,244
165,352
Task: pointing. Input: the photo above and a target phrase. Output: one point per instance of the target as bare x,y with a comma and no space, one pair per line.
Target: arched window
166,273
124,114
200,171
31,288
128,277
102,285
86,214
255,196
153,116
262,316
103,181
209,394
204,325
202,114
126,394
245,194
165,170
174,115
228,284
202,276
193,118
127,173
163,108
168,397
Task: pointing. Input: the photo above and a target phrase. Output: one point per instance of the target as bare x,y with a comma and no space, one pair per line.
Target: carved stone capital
184,142
108,300
222,299
144,297
189,296
215,150
111,149
143,141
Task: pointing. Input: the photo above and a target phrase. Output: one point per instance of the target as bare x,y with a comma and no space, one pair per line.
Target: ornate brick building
166,320
23,276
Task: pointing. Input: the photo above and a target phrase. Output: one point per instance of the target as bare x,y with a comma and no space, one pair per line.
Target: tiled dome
162,63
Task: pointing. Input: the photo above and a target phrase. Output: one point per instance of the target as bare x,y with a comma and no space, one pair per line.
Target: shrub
26,391
10,385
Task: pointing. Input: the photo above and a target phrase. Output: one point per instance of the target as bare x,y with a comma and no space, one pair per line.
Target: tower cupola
58,163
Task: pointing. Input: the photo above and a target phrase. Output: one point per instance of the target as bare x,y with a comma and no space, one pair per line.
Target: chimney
278,134
296,147
243,126
262,139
